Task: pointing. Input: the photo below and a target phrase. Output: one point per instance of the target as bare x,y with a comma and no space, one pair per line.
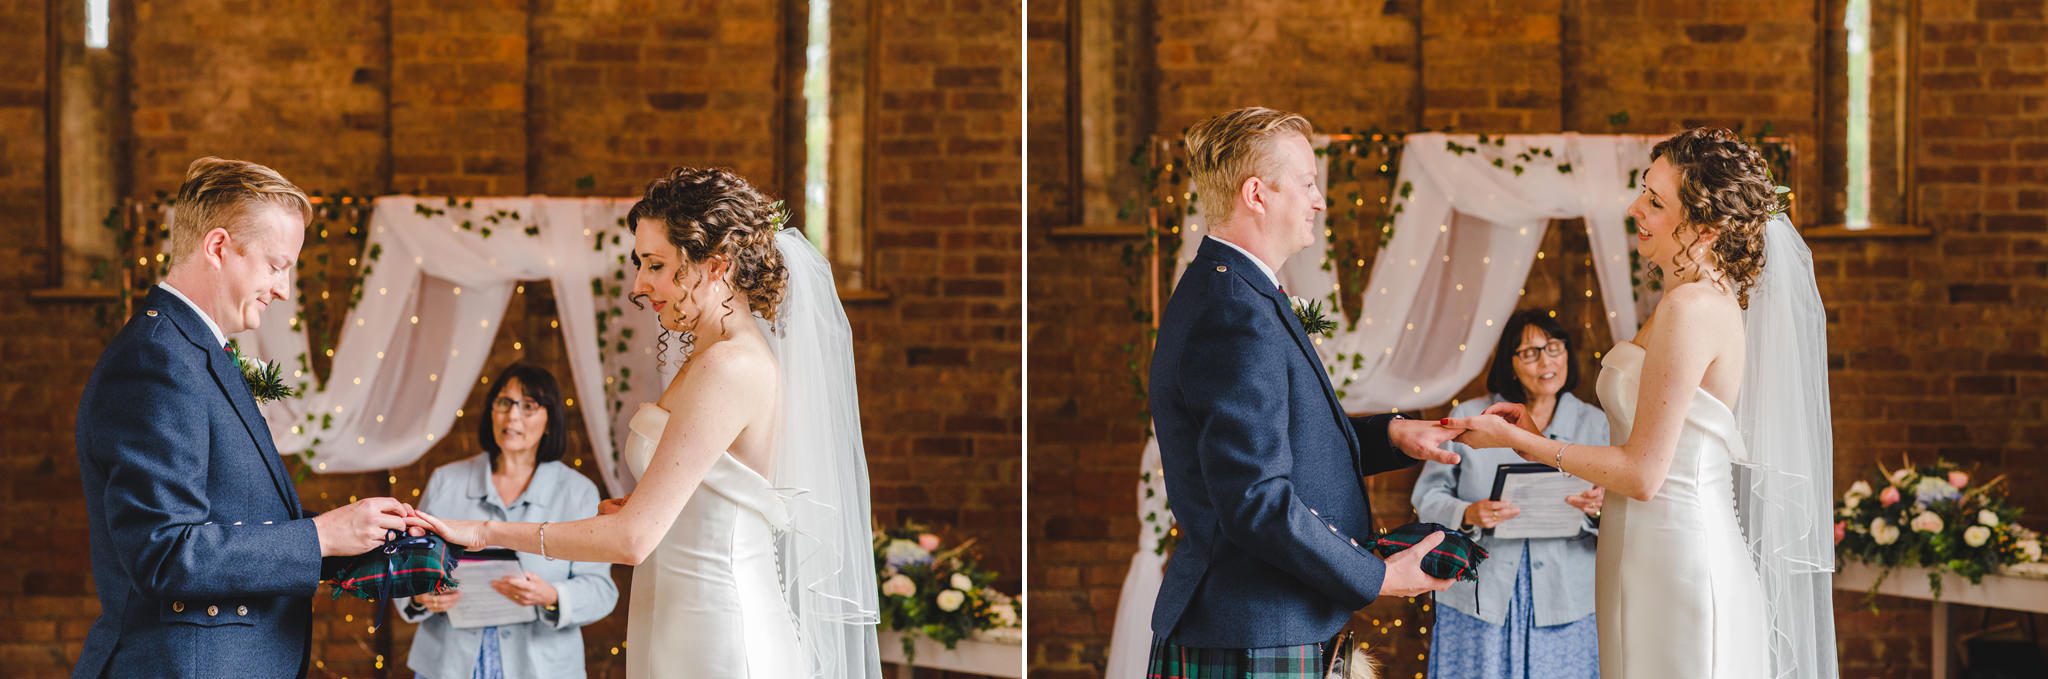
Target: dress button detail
212,611
177,607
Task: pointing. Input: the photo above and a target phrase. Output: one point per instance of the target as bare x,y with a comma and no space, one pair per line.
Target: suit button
151,313
241,610
1312,512
177,607
238,523
212,611
1221,268
1354,542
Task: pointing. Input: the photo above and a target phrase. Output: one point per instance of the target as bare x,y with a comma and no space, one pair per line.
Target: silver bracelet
1558,460
544,541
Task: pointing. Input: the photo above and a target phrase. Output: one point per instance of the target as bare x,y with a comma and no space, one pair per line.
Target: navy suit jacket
205,561
1264,469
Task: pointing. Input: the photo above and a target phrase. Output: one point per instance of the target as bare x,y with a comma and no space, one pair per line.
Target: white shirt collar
218,336
1255,260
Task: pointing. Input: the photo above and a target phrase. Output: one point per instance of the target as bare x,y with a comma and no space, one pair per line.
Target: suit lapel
1249,271
229,378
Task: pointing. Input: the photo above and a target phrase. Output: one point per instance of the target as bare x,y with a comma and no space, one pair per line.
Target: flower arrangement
943,594
1932,516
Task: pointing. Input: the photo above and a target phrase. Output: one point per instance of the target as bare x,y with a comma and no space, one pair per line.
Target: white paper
481,605
1540,496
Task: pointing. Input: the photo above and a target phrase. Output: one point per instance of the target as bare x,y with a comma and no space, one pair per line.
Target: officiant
518,477
1530,614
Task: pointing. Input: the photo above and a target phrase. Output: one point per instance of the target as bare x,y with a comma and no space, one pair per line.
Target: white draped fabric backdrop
1439,290
413,348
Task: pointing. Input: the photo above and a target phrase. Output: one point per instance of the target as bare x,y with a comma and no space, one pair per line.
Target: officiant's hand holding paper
1490,513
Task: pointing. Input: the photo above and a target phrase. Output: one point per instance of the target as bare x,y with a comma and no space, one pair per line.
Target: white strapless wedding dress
1678,594
707,602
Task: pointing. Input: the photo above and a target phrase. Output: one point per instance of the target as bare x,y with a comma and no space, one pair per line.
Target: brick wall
512,98
1937,343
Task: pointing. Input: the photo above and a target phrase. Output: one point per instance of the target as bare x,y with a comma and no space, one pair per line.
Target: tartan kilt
1173,661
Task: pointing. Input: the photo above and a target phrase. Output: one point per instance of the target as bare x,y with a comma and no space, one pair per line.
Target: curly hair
711,212
1724,187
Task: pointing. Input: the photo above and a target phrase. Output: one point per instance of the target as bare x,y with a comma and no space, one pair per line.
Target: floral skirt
1464,646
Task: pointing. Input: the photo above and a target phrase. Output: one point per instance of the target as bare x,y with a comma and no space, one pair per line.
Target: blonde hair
1226,150
220,194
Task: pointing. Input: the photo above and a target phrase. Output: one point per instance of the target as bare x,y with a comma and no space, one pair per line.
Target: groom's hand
1423,440
359,527
1404,576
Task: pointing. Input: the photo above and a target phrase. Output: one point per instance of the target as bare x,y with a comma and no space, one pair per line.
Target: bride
1716,561
749,525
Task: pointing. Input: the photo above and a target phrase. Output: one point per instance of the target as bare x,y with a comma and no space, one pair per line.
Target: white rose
961,582
1851,501
1900,475
1927,522
1883,532
1976,536
2030,548
1859,489
951,599
1005,615
899,586
1987,517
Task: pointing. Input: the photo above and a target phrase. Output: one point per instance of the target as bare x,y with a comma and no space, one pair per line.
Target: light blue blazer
551,646
1562,572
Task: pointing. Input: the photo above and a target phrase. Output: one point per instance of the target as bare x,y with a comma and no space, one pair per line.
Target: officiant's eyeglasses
526,406
1553,349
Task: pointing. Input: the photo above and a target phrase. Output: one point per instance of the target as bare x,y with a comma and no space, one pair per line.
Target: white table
2008,592
987,658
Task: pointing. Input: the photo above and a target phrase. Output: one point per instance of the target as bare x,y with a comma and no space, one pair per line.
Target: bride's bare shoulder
725,370
1699,301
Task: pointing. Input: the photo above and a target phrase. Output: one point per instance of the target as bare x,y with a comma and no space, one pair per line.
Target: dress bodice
1677,591
709,601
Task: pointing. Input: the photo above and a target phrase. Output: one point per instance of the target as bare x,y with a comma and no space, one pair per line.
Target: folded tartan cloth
403,567
1456,558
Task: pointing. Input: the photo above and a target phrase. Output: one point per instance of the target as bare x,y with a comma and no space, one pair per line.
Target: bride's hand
1516,414
469,534
613,505
1485,431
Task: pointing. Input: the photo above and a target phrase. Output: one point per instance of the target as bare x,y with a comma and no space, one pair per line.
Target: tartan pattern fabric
1456,558
1173,661
403,567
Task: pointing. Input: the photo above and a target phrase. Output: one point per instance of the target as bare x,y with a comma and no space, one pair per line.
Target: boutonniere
265,379
1310,313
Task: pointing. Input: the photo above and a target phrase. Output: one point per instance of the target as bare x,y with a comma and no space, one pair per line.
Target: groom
1264,468
205,562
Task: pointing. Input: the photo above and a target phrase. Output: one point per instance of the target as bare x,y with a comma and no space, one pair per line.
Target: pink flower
1889,497
1958,479
928,541
1841,531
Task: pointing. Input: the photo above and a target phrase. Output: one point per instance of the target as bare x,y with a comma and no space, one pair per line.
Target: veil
826,558
1784,479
